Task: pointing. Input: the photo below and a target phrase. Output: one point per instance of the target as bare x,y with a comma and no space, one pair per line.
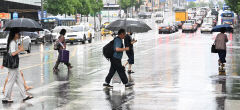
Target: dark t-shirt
127,42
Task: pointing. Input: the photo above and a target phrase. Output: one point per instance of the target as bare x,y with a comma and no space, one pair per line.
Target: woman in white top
14,76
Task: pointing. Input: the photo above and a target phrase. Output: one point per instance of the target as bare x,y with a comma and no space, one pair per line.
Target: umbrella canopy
23,24
59,28
218,28
130,25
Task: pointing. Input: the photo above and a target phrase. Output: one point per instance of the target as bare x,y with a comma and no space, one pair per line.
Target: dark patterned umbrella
23,24
130,25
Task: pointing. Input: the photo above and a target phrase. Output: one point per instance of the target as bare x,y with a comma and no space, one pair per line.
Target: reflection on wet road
172,72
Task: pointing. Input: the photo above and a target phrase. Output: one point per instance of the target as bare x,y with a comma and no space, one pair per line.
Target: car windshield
159,15
187,23
78,28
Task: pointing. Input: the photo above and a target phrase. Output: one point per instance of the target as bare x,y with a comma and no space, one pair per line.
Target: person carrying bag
63,54
11,61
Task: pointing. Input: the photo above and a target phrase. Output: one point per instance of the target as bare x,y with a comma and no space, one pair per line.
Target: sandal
7,101
27,98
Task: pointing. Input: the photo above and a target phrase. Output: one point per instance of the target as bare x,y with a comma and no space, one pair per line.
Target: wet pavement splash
172,72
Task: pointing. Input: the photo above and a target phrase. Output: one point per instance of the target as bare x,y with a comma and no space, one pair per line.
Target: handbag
213,49
10,61
64,56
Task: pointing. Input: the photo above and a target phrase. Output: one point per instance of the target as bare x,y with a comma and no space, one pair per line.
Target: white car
81,33
206,27
26,40
159,18
57,29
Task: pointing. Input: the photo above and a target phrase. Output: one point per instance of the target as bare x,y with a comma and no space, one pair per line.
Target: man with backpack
115,59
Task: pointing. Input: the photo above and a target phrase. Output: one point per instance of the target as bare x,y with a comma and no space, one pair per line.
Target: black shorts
130,55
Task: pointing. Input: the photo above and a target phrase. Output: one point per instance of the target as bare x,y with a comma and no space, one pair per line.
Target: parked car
189,26
159,18
206,27
80,34
24,39
33,35
45,36
165,28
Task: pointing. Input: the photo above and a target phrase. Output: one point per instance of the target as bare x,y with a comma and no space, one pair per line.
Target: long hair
11,37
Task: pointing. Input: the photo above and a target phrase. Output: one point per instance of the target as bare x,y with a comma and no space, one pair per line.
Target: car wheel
29,49
71,43
36,42
84,39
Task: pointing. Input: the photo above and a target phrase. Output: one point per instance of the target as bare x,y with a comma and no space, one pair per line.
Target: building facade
21,8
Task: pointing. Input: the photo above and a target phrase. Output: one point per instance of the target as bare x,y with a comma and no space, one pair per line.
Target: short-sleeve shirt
13,47
127,42
117,44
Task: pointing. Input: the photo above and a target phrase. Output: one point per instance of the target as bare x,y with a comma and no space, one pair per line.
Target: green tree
234,5
191,5
95,7
125,4
60,6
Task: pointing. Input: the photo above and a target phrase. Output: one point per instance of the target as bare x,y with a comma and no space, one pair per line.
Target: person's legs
56,65
68,65
11,80
130,61
20,84
126,64
6,80
25,84
118,65
112,71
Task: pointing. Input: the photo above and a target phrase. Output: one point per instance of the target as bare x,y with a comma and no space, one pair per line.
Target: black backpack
108,50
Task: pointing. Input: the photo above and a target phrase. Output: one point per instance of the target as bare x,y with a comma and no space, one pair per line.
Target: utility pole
41,9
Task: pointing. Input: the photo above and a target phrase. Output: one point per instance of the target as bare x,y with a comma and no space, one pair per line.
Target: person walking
220,45
60,45
128,41
116,63
24,81
14,76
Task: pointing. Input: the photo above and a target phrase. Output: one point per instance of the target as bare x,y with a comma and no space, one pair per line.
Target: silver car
26,40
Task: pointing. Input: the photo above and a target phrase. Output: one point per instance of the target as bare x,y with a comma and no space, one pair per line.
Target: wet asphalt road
172,72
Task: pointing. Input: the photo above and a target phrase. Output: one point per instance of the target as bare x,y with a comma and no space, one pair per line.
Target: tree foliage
60,6
234,5
125,4
95,6
191,5
84,7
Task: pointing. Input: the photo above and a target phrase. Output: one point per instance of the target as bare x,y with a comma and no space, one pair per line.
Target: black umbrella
130,25
218,28
23,24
